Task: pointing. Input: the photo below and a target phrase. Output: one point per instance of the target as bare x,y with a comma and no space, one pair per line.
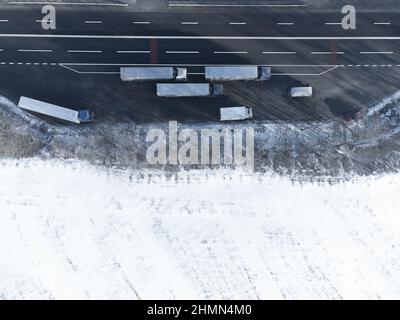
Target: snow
70,230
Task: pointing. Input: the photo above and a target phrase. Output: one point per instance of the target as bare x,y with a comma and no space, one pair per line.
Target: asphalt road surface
77,64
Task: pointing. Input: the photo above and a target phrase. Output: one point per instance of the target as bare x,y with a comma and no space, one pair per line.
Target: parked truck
153,73
55,111
236,113
173,90
301,92
237,73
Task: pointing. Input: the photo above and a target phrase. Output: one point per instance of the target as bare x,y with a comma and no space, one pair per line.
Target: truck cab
180,74
85,115
264,73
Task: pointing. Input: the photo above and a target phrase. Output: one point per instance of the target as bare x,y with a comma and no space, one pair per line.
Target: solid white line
67,3
128,51
93,22
75,36
32,50
237,5
3,20
85,51
182,52
190,65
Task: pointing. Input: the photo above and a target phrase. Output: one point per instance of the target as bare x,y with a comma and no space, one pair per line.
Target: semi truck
236,113
153,73
237,73
175,90
55,111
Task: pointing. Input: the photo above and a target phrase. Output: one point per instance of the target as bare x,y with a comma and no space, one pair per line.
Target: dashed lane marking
35,50
230,52
190,23
133,52
91,4
93,21
85,51
182,52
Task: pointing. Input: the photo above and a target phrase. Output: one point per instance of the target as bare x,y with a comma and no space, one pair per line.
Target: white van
236,113
301,92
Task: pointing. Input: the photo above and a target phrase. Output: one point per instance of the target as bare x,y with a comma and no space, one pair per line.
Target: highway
302,46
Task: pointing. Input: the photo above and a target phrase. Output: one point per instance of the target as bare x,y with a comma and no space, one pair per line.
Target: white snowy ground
69,230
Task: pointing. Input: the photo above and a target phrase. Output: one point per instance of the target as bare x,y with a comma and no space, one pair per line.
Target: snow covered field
70,230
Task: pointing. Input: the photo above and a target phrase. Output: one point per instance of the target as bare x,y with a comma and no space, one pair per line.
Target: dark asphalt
70,67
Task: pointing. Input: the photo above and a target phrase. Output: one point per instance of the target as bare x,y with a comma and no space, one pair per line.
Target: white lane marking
238,23
34,50
377,52
307,74
93,21
382,23
230,52
3,20
67,3
285,23
189,23
41,21
333,23
279,52
132,51
76,36
237,5
85,51
182,52
141,22
1,50
30,63
327,52
190,65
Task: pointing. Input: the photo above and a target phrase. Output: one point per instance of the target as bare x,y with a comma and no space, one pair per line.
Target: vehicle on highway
153,73
236,113
55,111
174,90
301,92
237,73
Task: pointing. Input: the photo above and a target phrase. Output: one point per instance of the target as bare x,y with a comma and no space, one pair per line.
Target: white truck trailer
175,90
52,110
153,73
236,113
237,73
